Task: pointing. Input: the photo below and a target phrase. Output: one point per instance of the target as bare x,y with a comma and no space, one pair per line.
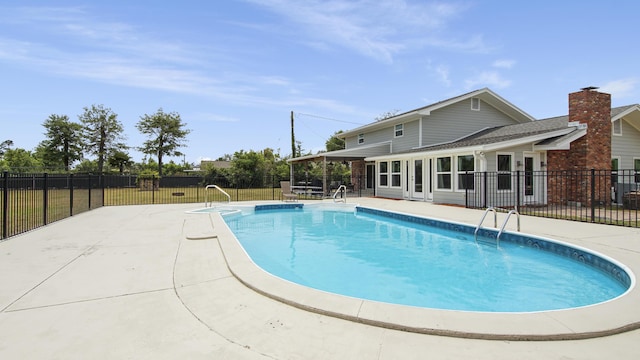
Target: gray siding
409,140
443,125
627,146
458,120
373,137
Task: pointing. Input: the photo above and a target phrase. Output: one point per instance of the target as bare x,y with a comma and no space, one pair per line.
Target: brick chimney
592,151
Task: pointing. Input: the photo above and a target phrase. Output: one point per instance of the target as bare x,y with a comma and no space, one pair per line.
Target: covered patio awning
357,153
354,154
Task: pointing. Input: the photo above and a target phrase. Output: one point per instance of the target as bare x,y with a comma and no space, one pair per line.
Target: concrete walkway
127,283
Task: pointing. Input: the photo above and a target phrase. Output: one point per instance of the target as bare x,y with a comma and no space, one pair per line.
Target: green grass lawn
26,211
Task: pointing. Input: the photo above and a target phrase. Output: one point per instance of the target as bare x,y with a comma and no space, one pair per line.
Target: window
617,127
360,138
399,130
384,174
443,173
475,104
504,172
636,168
465,172
395,173
614,171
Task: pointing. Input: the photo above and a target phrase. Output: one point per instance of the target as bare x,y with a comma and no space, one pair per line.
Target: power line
330,119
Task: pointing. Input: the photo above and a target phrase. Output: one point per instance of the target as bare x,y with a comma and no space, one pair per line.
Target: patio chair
287,195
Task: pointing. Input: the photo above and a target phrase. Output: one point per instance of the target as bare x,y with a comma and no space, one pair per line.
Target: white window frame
475,104
615,172
510,172
442,173
360,139
396,174
384,174
636,170
398,130
462,172
613,127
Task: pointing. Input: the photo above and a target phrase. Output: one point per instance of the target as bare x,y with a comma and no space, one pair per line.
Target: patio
126,282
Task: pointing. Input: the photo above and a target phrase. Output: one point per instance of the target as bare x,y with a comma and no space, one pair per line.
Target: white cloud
622,88
504,63
491,79
378,29
443,73
85,47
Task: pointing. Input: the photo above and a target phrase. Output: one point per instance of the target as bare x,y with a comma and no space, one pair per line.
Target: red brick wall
592,151
357,174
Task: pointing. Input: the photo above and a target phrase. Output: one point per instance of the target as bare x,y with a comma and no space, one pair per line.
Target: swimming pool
396,261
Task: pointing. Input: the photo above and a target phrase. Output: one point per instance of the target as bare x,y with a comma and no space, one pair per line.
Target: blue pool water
369,255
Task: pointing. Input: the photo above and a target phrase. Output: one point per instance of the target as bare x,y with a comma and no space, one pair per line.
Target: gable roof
546,134
631,113
484,94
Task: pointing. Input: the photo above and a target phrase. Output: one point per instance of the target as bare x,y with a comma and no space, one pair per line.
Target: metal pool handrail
505,223
206,200
495,220
344,199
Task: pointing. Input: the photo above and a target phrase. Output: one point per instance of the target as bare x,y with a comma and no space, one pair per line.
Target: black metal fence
598,196
28,201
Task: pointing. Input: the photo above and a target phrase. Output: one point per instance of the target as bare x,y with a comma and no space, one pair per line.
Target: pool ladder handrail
343,199
206,200
505,223
495,220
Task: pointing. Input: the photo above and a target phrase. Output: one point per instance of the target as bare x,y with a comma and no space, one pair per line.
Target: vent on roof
589,88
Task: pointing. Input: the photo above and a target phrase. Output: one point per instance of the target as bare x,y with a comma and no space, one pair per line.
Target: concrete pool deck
126,282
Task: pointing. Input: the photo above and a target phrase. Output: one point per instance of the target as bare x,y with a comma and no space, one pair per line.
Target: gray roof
513,132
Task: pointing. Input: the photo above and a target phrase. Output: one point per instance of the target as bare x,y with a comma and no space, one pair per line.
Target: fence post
101,183
70,194
518,185
484,189
466,190
45,197
153,188
593,195
5,204
89,176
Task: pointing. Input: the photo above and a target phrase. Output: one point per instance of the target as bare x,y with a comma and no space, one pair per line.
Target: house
432,153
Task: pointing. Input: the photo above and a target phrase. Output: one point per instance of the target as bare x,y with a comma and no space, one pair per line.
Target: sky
235,69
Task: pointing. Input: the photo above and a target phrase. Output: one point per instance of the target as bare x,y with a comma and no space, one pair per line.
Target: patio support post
324,175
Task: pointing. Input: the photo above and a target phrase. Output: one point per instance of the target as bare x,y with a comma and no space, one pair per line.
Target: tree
102,132
387,115
20,160
166,135
63,143
248,166
87,166
334,143
120,159
4,146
